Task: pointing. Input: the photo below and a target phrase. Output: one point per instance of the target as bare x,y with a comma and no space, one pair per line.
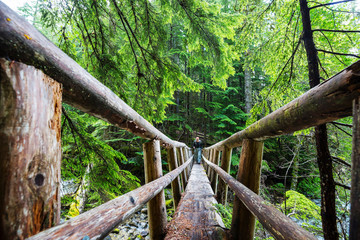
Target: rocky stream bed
134,228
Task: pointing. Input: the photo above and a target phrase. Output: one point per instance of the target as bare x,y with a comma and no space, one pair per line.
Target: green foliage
272,38
181,65
300,207
225,213
86,156
310,186
142,50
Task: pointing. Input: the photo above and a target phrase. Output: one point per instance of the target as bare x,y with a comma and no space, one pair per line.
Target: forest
208,68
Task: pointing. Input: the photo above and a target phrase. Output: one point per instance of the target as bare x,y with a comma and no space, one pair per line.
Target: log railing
100,221
30,166
279,225
35,76
333,99
30,144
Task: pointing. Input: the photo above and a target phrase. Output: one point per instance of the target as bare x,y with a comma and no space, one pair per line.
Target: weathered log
175,185
30,150
243,221
324,103
185,157
196,216
20,41
98,222
222,189
213,174
156,207
183,174
211,159
355,174
279,225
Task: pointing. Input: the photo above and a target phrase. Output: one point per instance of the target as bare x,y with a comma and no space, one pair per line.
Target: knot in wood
39,179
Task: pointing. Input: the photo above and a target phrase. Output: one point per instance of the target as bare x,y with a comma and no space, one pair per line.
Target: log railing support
277,223
156,206
222,191
175,185
206,153
211,159
180,162
213,174
30,150
243,221
185,158
355,174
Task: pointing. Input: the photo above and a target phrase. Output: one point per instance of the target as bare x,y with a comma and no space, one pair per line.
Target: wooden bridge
36,76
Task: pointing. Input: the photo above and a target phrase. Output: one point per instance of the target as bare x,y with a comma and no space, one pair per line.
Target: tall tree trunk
248,90
328,213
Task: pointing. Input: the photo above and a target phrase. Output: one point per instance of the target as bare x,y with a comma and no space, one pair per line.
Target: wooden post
211,159
277,223
30,150
243,221
221,194
156,206
355,174
183,174
175,185
213,174
185,158
206,153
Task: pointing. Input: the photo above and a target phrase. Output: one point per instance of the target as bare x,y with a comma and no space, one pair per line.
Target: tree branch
327,39
336,53
282,70
340,161
342,130
334,30
343,124
342,185
328,4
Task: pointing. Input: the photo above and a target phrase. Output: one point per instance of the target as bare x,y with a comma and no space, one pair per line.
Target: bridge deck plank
196,217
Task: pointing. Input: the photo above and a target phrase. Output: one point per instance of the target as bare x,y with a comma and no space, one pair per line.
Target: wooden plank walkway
196,217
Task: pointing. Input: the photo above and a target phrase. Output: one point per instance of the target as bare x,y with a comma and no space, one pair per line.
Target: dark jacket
198,144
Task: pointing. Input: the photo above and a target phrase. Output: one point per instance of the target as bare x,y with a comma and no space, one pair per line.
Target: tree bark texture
98,222
222,190
30,150
156,206
21,41
328,210
279,225
327,102
175,185
355,175
243,221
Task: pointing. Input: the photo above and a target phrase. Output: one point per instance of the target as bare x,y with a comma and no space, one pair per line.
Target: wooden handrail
100,221
279,225
20,41
324,103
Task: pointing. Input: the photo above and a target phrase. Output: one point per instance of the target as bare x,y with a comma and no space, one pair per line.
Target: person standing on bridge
197,145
